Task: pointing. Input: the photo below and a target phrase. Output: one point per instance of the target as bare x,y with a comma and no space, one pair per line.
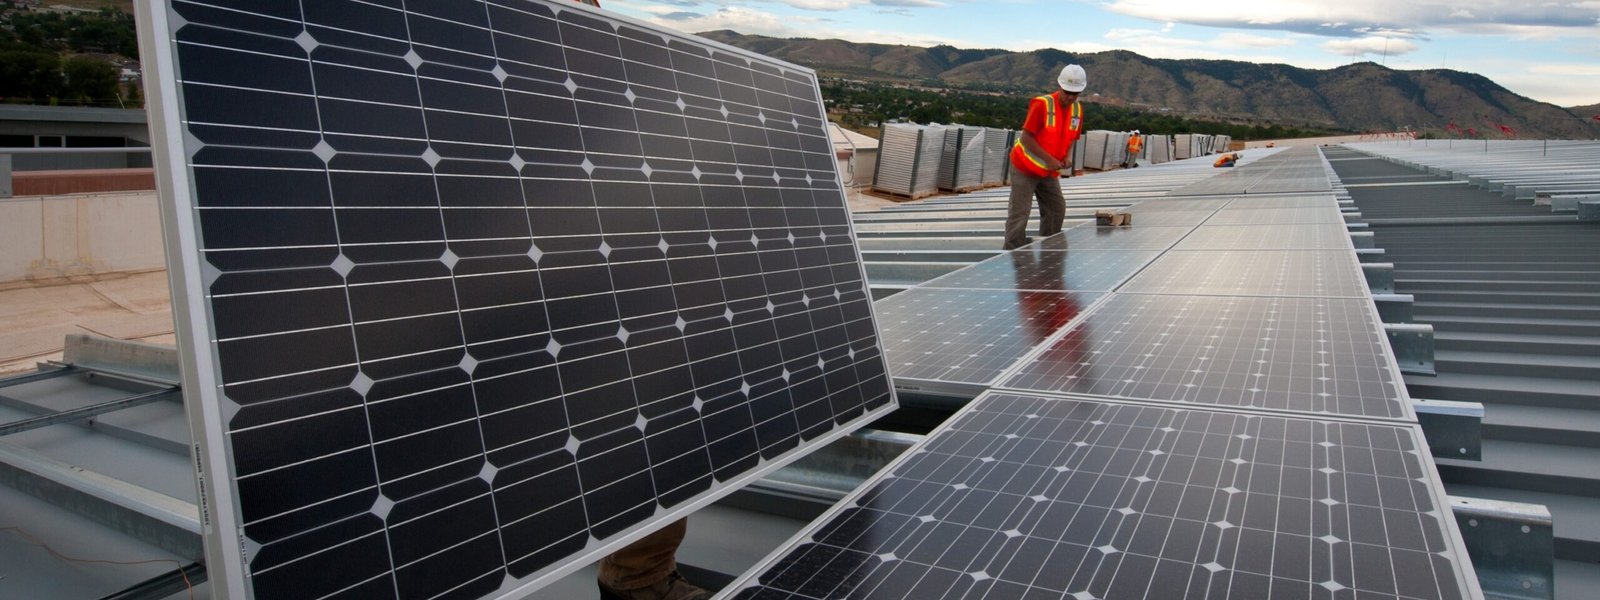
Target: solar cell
1277,216
1318,273
1140,237
1034,268
968,336
1167,218
1180,204
473,291
1023,496
1286,201
1330,236
1308,355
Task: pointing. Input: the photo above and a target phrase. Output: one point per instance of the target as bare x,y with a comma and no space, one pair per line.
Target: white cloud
1370,45
1351,18
752,21
738,18
826,5
1252,41
1559,83
1224,46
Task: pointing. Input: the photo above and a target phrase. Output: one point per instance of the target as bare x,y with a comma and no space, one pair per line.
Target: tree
28,76
89,81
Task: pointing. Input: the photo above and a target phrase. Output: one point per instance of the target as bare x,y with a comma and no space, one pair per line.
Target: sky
1548,50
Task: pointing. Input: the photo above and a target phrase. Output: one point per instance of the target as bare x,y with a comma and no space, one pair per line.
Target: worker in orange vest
1054,122
1135,146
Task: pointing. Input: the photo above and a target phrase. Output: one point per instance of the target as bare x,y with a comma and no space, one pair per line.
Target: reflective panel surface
1033,268
1315,273
1032,497
1311,355
969,336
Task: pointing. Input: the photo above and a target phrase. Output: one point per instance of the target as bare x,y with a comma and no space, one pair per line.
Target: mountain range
1364,96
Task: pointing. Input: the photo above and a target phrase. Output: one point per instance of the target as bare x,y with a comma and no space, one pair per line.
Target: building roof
71,114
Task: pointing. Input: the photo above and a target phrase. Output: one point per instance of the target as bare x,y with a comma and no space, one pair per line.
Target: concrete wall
45,237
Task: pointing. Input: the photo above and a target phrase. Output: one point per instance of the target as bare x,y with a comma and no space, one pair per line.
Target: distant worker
1135,146
1226,160
1054,122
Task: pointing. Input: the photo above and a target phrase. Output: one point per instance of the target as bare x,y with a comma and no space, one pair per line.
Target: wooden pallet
898,197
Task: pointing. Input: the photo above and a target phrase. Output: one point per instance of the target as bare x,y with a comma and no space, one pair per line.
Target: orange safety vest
1056,137
1135,144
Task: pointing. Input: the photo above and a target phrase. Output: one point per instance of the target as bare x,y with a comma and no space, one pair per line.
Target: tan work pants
644,562
1052,206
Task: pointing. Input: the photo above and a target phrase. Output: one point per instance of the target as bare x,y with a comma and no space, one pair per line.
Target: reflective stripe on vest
1029,155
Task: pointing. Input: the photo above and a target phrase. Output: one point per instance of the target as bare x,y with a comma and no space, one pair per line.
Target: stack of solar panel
908,159
1189,145
996,155
961,166
1079,149
1158,148
1097,148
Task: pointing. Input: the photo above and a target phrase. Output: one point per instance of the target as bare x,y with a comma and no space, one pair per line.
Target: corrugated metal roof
1512,291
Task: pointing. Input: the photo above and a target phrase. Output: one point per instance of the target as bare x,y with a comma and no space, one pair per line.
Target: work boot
672,588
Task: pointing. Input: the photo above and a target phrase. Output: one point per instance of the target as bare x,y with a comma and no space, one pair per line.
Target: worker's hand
1053,164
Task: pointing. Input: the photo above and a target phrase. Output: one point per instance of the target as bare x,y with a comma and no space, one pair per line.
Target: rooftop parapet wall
48,237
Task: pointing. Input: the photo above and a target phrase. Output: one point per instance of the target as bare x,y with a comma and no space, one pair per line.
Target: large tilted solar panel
1316,273
1321,356
1035,268
968,336
472,293
1023,496
1313,236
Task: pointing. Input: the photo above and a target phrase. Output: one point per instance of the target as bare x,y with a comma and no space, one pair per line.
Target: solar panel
1318,273
1277,237
1024,496
472,292
968,336
1033,268
1091,237
1181,204
1167,218
1301,201
1292,170
1277,216
1307,355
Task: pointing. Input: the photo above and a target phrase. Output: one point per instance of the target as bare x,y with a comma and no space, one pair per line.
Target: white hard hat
1073,79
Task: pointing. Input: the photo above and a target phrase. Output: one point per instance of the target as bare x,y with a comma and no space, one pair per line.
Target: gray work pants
1052,206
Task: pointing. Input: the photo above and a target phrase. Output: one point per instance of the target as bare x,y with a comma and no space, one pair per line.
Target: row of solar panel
1175,444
